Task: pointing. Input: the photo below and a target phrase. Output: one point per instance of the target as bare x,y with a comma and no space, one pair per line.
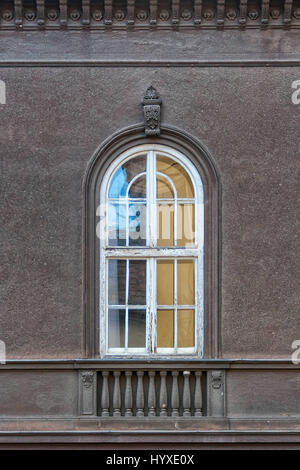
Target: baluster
175,394
153,11
105,394
108,12
151,394
63,8
186,394
243,12
18,12
40,6
220,12
130,12
86,12
198,394
117,395
287,12
163,394
265,11
175,11
198,11
140,394
128,394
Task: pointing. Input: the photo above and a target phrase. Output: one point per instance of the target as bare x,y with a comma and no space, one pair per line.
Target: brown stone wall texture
54,120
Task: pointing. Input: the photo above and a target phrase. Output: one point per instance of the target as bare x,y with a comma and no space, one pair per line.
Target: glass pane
164,188
116,328
137,282
116,281
185,282
186,328
138,188
165,328
136,328
117,224
185,225
165,282
178,175
165,224
137,224
124,174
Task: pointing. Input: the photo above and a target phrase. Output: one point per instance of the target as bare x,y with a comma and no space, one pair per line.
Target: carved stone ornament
52,14
142,15
151,106
296,13
164,15
208,14
75,14
125,14
216,379
253,14
97,14
231,14
7,14
186,14
87,379
119,15
29,15
275,13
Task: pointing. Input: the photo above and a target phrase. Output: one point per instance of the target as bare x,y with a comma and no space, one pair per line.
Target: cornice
148,14
123,64
205,364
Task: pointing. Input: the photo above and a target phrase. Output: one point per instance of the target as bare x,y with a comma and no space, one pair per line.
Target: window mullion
151,285
127,222
175,310
151,161
126,302
151,223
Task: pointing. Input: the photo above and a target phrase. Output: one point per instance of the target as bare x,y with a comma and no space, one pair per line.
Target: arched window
151,254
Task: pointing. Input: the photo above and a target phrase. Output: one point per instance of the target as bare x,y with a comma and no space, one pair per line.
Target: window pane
165,224
117,224
165,282
165,328
186,328
116,328
136,328
185,225
163,188
137,224
116,281
138,188
185,282
137,282
178,175
124,175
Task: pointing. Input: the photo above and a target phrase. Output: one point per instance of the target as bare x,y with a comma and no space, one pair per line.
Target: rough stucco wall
52,123
271,394
38,393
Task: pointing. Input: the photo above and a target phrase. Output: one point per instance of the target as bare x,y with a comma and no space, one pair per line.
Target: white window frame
151,253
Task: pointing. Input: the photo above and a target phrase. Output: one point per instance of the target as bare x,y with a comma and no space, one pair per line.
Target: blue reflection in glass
124,174
118,184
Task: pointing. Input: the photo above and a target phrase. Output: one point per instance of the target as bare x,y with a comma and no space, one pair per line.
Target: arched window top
157,179
176,175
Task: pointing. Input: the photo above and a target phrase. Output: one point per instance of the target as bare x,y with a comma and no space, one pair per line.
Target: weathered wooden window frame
152,253
102,159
